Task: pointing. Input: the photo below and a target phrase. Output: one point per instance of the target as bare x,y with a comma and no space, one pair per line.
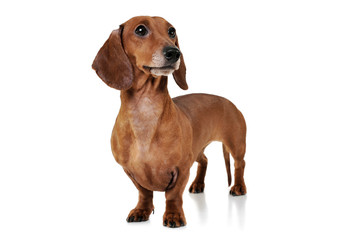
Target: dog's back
212,117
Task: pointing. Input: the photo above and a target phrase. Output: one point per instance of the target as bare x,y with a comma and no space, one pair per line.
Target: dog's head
148,45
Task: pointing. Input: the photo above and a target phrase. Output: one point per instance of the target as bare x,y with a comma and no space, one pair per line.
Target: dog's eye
141,31
171,32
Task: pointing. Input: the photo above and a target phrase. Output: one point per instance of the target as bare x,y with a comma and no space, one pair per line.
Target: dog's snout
172,54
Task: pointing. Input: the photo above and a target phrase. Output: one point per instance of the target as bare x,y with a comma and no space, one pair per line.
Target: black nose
172,54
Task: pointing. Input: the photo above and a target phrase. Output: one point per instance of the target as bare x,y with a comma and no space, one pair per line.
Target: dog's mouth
160,71
167,68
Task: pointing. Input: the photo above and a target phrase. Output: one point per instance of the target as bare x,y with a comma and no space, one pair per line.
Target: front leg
174,215
144,207
145,204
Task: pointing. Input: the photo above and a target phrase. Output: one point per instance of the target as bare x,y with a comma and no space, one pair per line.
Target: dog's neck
147,87
144,105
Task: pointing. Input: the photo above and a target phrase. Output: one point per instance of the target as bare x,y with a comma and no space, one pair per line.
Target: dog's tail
228,168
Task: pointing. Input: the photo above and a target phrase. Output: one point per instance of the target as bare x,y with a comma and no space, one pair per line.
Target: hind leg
198,184
239,187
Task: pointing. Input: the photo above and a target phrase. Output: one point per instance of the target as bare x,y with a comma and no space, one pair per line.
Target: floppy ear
112,64
180,74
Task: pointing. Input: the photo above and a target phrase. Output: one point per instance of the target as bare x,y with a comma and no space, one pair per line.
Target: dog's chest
143,119
141,132
150,163
145,141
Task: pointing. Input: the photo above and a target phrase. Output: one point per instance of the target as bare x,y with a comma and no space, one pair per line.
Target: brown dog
155,138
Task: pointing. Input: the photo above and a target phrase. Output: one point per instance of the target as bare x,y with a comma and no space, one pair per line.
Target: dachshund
156,139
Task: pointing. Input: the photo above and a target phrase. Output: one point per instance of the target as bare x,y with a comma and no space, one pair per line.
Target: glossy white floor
292,68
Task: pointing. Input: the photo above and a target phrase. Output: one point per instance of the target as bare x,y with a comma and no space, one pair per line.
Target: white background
291,67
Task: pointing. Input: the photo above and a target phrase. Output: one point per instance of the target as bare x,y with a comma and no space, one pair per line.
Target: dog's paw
196,187
238,190
174,220
139,215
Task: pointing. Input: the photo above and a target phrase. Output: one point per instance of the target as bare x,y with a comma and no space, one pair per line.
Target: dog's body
156,139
